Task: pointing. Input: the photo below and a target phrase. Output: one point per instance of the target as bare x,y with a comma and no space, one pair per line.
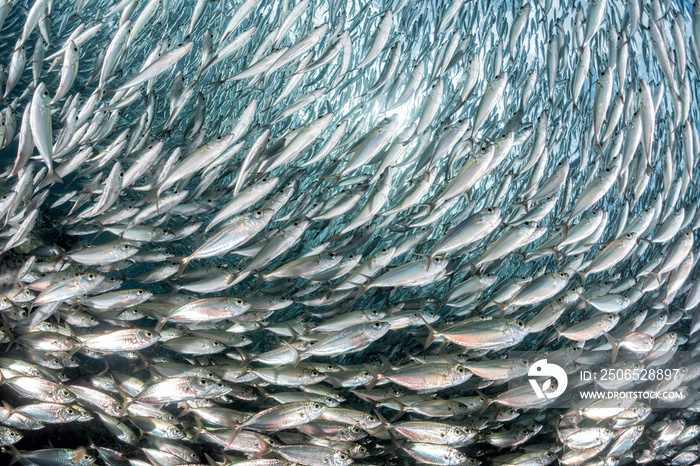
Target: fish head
312,376
61,394
9,436
314,409
339,458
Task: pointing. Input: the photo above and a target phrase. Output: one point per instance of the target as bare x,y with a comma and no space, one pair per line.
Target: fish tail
10,411
161,322
375,376
50,178
431,336
16,455
200,428
503,307
102,230
295,352
487,401
174,286
385,424
335,178
185,261
615,345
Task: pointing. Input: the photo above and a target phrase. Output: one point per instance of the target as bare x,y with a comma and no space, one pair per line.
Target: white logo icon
543,369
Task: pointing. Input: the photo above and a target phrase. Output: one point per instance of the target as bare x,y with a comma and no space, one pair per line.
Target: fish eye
202,382
239,302
356,429
460,370
436,260
13,434
149,333
70,411
258,213
46,93
314,373
264,180
65,392
520,324
218,138
373,312
139,292
215,343
317,405
331,255
244,338
91,276
377,325
365,374
489,210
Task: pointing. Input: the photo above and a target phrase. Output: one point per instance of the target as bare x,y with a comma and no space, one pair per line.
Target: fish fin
583,277
615,345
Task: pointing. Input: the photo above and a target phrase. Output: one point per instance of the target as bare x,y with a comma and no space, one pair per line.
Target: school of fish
296,232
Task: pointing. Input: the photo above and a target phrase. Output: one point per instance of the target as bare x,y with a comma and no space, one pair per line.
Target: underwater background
326,233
